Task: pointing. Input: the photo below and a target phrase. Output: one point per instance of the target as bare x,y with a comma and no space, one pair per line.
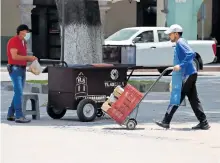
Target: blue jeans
18,76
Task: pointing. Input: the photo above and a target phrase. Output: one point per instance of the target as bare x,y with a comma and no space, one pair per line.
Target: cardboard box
118,91
112,99
105,106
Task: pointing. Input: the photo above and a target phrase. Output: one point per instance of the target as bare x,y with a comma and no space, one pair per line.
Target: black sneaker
202,126
164,125
22,120
11,118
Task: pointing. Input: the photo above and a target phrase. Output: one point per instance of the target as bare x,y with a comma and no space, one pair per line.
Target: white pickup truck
153,48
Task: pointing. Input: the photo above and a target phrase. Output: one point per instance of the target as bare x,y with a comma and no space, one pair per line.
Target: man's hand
32,58
176,68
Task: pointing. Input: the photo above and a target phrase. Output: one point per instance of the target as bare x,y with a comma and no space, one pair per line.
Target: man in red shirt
17,61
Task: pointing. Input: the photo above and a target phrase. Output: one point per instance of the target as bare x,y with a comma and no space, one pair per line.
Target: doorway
46,31
147,13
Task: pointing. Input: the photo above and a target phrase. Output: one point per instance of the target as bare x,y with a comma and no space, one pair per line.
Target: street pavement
68,140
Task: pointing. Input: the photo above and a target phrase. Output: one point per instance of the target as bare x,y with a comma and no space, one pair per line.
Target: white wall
122,14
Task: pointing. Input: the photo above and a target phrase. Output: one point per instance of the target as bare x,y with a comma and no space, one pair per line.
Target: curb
29,87
43,89
159,87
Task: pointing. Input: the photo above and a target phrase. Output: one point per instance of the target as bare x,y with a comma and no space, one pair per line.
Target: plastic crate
125,104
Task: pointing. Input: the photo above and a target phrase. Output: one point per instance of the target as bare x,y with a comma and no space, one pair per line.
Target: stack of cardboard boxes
113,98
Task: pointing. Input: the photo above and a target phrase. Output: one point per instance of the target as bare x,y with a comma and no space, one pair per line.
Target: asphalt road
154,105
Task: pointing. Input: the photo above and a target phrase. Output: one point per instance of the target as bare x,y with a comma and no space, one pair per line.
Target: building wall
122,14
10,19
208,20
161,17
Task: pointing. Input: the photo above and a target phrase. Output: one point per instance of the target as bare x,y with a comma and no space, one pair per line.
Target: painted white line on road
156,101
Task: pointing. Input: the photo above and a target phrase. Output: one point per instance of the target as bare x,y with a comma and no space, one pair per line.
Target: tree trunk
83,33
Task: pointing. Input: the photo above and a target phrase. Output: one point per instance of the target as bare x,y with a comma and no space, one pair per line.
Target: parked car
155,50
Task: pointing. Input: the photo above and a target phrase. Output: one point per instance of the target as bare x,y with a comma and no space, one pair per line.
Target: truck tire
86,110
160,70
196,64
55,113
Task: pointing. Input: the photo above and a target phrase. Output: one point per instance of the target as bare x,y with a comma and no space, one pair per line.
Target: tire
131,124
160,70
196,64
55,113
86,110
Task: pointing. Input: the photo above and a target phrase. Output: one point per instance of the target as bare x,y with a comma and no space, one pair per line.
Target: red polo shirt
16,43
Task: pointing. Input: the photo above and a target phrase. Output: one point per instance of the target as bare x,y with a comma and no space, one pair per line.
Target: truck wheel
86,110
160,70
55,113
196,64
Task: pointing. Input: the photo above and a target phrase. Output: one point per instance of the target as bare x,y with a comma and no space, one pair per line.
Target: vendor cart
82,87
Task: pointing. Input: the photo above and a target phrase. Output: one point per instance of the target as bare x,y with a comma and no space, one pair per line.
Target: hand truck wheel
131,124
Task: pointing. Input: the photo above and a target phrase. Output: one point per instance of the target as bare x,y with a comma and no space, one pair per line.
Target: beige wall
10,17
208,20
161,17
122,14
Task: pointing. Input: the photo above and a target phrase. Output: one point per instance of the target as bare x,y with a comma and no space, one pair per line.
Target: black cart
83,88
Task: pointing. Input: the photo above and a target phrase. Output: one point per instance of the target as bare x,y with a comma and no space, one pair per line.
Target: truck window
147,36
162,36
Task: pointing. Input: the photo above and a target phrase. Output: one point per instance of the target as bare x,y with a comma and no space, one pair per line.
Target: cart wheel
99,113
86,110
131,124
134,121
55,113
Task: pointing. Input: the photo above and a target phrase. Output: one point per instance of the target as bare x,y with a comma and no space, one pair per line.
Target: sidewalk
206,68
109,144
29,76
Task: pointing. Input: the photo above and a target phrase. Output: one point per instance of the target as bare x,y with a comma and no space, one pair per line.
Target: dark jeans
18,76
189,90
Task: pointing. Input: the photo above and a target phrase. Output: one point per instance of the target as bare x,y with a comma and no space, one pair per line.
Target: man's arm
189,53
15,56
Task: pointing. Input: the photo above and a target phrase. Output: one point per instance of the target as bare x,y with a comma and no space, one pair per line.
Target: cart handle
54,62
162,74
169,68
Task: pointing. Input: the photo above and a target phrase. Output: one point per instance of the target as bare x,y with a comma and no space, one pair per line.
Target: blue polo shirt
185,55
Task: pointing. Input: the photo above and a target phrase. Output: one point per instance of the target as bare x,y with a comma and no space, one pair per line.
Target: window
162,36
147,36
123,34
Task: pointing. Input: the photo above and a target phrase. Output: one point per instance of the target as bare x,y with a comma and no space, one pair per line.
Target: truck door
145,47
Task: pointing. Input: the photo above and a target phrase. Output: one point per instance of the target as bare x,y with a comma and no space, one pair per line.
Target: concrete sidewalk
109,144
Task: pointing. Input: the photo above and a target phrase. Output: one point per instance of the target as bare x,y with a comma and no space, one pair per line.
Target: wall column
26,7
103,7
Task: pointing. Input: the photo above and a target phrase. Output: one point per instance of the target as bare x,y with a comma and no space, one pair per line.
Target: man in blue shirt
185,56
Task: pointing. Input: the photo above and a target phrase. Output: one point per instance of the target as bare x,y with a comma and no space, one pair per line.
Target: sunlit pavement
69,140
